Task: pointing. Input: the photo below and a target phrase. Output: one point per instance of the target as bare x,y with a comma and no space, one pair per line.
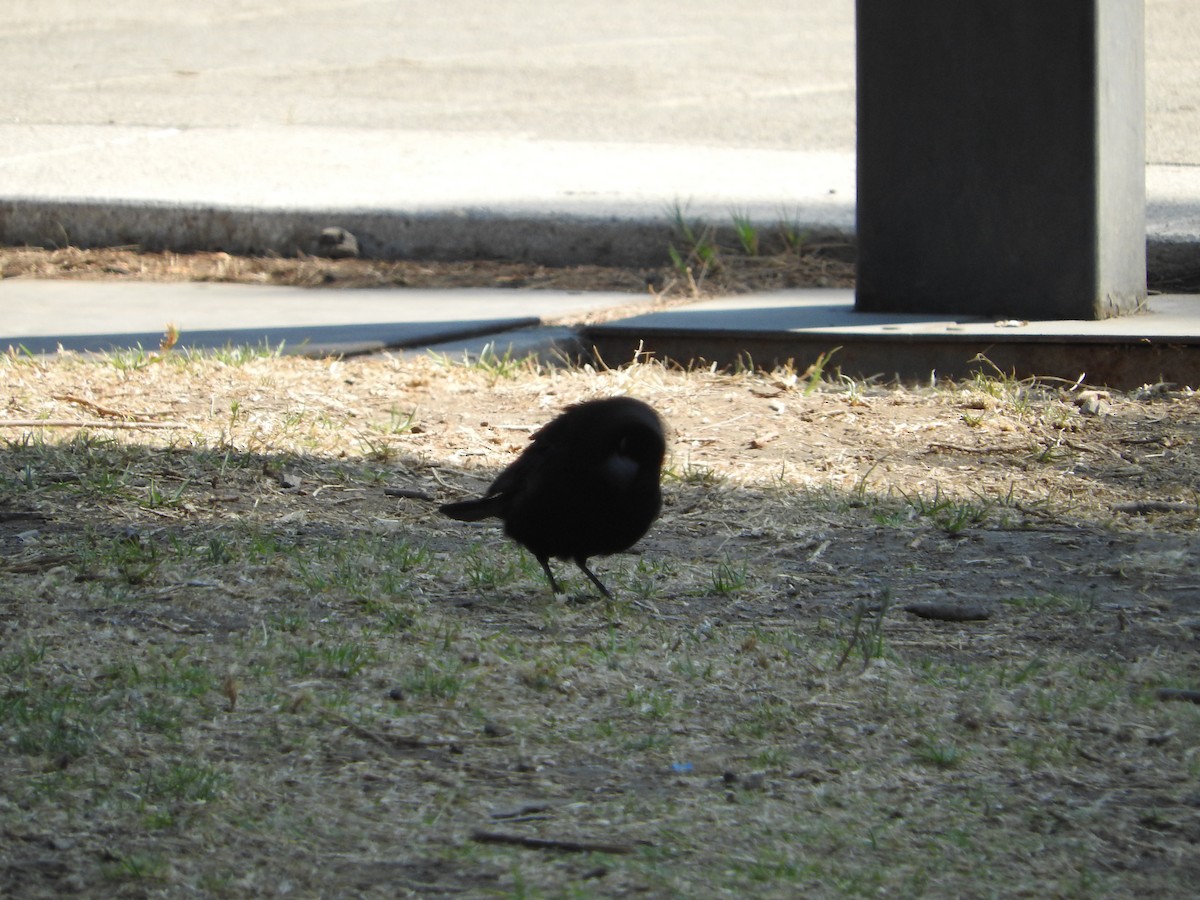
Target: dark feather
588,485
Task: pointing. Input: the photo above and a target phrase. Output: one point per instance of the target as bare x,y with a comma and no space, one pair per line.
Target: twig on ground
948,612
389,741
1141,507
87,423
518,840
107,412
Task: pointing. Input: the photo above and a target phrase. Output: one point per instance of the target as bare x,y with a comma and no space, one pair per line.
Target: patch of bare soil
808,266
883,640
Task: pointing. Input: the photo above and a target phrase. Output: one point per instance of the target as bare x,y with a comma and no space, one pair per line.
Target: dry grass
802,266
232,663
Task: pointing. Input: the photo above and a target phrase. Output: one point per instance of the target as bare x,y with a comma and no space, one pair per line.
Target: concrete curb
552,239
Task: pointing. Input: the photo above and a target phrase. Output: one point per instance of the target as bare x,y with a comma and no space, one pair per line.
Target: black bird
587,485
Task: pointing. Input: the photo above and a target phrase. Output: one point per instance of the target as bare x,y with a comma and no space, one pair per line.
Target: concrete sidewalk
43,316
530,131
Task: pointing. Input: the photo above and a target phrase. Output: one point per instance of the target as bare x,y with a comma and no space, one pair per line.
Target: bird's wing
527,470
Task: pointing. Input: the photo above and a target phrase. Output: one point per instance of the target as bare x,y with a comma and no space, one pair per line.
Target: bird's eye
635,445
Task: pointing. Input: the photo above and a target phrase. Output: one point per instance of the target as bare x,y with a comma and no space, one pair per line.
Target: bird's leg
545,561
582,563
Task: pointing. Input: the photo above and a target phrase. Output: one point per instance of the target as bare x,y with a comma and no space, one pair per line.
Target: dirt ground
712,269
934,640
241,654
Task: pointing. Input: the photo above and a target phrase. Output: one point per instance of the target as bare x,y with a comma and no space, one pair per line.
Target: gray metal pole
1001,157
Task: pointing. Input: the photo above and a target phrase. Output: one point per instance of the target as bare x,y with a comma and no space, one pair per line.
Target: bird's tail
472,510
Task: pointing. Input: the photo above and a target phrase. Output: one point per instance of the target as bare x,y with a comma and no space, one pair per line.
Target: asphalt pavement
549,132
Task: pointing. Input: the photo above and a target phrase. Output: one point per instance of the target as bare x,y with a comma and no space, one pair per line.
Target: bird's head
643,445
638,453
